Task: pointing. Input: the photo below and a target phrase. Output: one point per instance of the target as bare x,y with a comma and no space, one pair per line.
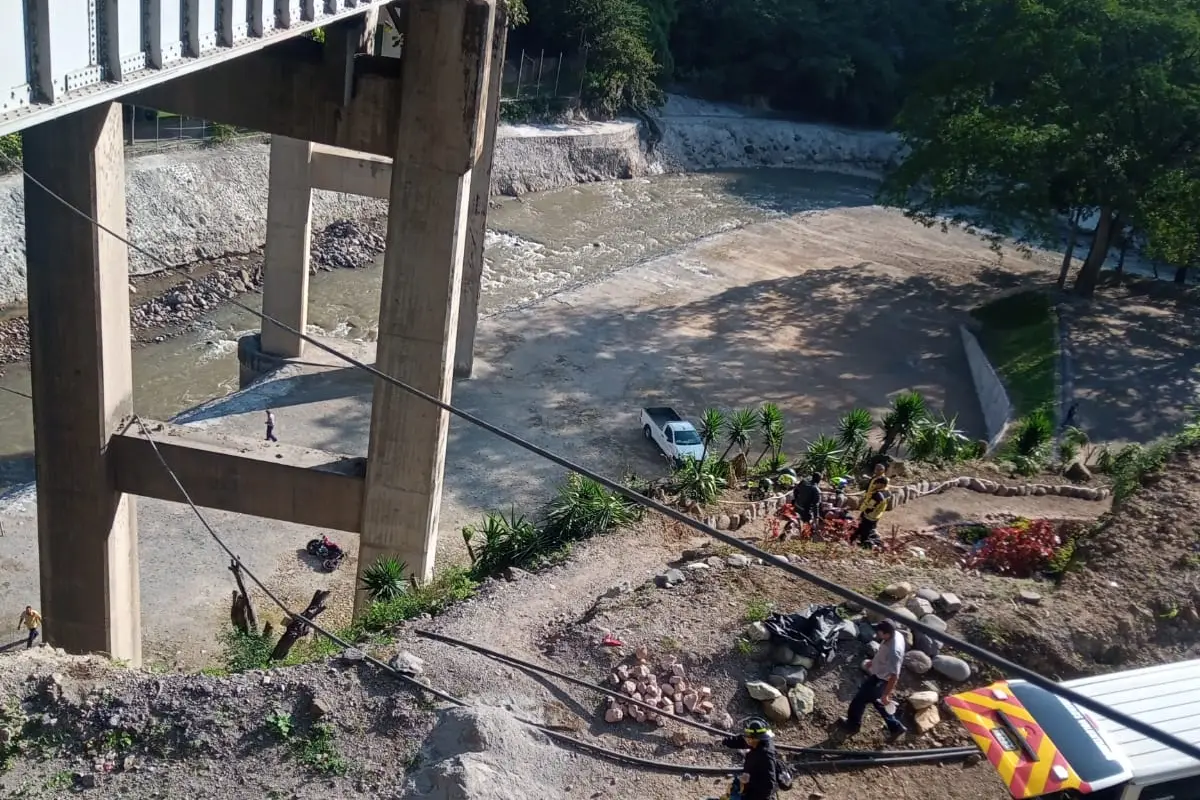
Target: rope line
982,654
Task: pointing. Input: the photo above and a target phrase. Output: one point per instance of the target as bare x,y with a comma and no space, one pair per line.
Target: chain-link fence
538,76
150,129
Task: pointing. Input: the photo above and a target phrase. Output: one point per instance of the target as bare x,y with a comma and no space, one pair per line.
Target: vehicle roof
1167,697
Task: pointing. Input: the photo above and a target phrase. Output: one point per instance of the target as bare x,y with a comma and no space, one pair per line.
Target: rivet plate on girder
17,98
80,78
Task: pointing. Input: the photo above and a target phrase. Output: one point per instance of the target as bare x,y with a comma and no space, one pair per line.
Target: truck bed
661,415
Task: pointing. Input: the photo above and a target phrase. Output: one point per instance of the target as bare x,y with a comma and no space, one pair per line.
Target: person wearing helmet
762,773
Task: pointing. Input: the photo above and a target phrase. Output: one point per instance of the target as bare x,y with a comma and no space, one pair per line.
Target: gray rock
778,681
715,561
757,632
1076,471
407,663
782,654
953,668
905,615
931,595
919,700
935,622
872,647
1030,597
949,604
738,561
803,700
897,591
761,690
697,566
320,708
917,662
791,675
927,645
85,780
353,654
671,577
919,607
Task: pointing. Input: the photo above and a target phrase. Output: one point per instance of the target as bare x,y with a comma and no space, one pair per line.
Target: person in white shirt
271,426
882,675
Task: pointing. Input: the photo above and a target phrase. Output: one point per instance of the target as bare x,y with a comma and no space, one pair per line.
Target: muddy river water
537,245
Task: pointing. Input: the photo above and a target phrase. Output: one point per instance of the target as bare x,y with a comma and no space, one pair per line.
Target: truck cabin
1044,746
682,434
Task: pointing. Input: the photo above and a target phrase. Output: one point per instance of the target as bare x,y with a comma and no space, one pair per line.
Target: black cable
982,654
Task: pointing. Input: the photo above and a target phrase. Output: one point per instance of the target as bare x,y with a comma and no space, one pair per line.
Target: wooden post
297,628
251,618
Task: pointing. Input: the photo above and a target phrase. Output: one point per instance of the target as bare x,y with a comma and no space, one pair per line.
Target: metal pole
582,73
541,61
133,126
558,74
520,72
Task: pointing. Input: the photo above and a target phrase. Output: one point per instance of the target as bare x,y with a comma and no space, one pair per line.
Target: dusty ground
817,312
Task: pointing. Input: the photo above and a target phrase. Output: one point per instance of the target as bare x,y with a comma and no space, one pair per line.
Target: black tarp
812,633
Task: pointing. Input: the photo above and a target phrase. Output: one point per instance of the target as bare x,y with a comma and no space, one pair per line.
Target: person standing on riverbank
271,426
33,621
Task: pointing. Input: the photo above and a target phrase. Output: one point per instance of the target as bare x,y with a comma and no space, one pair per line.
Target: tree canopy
1049,108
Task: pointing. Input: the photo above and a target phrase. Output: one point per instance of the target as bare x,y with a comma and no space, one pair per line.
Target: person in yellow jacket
878,480
874,504
33,621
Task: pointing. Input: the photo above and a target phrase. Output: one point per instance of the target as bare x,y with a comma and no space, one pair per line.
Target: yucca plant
1033,435
697,480
739,426
502,541
853,429
770,430
384,580
939,441
901,421
823,455
583,508
712,422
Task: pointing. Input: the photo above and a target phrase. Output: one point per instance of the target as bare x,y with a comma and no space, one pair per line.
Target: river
537,245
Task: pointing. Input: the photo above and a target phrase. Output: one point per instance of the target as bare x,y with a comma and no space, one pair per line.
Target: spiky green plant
770,430
1033,435
698,480
739,426
711,423
824,454
583,508
853,429
384,580
900,422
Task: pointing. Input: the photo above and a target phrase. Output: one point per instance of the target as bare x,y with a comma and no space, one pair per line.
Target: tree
1170,215
1052,108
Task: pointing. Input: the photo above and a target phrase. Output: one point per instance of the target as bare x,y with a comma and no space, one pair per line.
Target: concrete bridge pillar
78,283
443,85
289,238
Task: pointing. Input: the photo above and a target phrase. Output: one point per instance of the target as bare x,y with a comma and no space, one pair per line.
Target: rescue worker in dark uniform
806,498
762,772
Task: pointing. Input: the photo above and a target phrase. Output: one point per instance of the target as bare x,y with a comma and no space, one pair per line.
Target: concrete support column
289,240
446,68
481,183
82,382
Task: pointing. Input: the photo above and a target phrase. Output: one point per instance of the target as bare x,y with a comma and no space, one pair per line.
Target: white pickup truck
675,436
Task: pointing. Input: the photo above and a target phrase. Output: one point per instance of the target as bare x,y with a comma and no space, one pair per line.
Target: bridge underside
432,123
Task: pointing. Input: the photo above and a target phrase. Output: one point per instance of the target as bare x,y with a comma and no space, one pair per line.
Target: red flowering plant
1018,550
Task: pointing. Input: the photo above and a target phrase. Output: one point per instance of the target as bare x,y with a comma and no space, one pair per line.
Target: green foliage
758,610
739,427
502,541
770,430
939,441
384,580
10,151
222,133
899,424
450,586
712,422
1019,336
824,455
245,651
1032,436
583,509
1046,108
279,724
853,429
316,749
1130,466
698,480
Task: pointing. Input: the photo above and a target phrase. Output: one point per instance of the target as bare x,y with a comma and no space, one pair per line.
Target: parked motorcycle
330,553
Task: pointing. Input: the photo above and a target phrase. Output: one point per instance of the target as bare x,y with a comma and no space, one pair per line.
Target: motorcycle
330,553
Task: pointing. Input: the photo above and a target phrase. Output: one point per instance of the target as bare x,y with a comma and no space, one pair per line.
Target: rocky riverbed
162,308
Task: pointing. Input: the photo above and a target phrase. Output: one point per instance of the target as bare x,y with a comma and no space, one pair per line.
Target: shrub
1033,435
452,585
10,151
384,580
940,442
245,651
1018,551
900,422
501,541
698,480
584,508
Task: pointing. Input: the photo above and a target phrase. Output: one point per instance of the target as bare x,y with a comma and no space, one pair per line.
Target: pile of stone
924,653
783,694
666,688
347,245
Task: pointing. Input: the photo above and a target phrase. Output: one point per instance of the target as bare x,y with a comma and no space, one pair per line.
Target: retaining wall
993,398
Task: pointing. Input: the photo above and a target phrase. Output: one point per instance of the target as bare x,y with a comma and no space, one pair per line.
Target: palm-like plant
712,422
853,429
738,427
384,581
770,430
697,480
824,455
901,421
940,441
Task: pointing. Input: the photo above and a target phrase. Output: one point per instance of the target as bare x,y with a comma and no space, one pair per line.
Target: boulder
904,614
791,675
949,604
802,699
1076,471
782,654
406,663
757,632
935,622
930,595
760,690
1030,597
715,561
919,700
614,714
897,591
917,662
953,668
738,561
927,645
926,719
778,681
919,606
671,577
778,709
801,661
722,522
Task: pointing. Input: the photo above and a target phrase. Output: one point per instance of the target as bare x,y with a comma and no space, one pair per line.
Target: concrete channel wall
993,397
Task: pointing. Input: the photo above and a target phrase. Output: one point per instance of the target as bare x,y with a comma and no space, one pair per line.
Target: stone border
989,390
905,494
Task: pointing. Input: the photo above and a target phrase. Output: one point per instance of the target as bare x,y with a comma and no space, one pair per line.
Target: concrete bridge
418,130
